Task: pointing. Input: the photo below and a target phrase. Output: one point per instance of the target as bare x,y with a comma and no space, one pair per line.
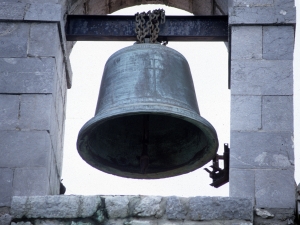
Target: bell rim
176,112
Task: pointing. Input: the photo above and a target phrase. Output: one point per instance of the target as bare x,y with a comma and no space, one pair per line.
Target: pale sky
209,66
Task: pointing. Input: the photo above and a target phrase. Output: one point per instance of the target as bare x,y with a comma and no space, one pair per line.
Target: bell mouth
180,141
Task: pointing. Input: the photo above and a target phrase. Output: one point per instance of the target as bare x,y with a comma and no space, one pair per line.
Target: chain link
151,27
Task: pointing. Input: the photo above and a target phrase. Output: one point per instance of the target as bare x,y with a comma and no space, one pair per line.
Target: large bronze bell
147,122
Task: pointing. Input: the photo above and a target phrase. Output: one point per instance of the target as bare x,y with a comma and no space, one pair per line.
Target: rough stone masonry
35,73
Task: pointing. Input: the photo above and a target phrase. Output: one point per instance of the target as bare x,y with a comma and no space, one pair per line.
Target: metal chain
143,28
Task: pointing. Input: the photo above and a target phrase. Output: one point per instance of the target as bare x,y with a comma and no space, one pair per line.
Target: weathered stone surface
262,77
35,111
30,181
275,188
174,222
252,3
55,206
117,206
13,39
263,213
9,112
285,3
31,150
27,75
44,12
217,222
223,5
175,208
5,219
282,216
261,150
246,112
242,183
12,11
21,223
6,179
204,7
148,206
277,113
278,42
262,15
54,176
218,208
140,222
44,39
51,222
247,42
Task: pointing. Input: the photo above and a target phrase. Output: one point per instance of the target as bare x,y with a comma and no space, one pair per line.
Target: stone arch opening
100,7
84,170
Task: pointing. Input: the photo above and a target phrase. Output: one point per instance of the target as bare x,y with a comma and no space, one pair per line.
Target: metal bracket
218,175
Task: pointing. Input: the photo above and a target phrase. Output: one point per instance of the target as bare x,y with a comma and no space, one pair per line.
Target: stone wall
261,66
130,210
34,75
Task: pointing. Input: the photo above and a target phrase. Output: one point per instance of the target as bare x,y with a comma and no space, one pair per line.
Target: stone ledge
110,208
262,15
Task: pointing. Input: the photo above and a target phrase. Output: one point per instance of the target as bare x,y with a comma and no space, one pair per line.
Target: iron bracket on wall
122,28
218,175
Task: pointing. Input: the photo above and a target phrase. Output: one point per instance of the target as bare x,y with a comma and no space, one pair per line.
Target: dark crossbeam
121,28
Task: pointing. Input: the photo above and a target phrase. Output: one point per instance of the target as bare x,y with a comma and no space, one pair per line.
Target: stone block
285,3
30,181
35,1
220,208
21,223
9,112
275,188
6,179
262,15
252,3
57,137
217,222
278,42
204,7
281,216
176,209
54,176
58,222
241,183
12,11
13,39
44,12
245,112
5,219
140,222
27,75
117,207
148,206
24,149
277,113
223,5
262,77
57,206
246,42
35,111
174,222
44,40
217,11
261,150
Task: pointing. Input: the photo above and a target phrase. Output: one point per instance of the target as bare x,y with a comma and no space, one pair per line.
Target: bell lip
176,112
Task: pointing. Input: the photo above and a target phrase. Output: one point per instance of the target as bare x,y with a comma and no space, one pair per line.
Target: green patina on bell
147,123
